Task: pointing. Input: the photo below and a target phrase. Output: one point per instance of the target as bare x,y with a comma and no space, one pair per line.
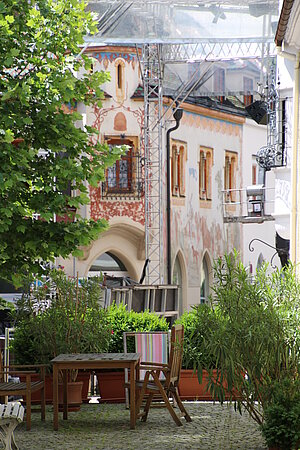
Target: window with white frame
205,169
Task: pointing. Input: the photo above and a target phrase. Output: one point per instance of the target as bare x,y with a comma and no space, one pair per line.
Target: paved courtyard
106,427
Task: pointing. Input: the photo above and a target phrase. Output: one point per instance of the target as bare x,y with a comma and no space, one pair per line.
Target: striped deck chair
153,347
167,388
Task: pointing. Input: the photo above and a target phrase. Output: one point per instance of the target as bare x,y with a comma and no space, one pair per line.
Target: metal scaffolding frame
152,78
154,58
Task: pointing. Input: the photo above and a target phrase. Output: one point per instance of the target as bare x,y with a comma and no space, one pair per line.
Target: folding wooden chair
153,346
166,388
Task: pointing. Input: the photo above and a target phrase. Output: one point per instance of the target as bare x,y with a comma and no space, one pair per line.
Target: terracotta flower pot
111,387
74,395
190,389
36,396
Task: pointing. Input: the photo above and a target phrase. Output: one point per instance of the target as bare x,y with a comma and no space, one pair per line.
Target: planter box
190,389
111,387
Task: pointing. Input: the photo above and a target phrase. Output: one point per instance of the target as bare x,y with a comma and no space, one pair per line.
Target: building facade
212,161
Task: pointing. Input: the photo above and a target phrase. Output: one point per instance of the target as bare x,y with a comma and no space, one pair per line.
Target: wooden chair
152,345
34,381
166,388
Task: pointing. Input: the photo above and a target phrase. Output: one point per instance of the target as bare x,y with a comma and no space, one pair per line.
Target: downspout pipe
177,116
295,167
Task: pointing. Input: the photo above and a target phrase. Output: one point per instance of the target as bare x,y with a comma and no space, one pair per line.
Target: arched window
230,169
205,168
108,263
204,281
119,76
178,164
120,79
177,279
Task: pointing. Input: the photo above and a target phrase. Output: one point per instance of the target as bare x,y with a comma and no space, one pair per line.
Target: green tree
43,152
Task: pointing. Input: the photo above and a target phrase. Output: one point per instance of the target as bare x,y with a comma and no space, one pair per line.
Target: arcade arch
179,277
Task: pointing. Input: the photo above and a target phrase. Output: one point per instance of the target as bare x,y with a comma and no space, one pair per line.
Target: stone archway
125,240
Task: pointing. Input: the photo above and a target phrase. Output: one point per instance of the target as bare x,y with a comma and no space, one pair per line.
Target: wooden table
92,361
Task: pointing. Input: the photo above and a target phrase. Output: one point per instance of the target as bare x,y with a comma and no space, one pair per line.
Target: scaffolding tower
152,78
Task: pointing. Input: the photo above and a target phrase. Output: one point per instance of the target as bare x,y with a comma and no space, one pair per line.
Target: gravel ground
106,427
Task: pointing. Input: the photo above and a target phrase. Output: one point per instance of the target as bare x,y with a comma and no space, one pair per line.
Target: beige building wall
198,231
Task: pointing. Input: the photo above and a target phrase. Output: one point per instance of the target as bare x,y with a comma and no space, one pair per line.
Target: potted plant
256,337
197,361
61,315
111,384
281,426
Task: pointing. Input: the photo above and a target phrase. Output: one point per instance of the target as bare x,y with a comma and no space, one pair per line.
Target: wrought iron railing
125,178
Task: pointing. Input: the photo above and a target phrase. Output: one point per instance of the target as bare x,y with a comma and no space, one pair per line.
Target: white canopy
181,22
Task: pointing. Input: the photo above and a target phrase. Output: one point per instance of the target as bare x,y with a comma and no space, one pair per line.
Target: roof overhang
284,21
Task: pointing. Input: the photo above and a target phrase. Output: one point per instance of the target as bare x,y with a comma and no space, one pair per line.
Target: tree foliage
42,149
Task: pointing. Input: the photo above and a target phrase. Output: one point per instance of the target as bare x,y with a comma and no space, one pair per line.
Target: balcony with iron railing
124,180
252,204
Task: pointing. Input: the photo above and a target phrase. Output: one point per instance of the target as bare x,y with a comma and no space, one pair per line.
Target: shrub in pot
281,426
120,320
256,342
62,315
199,324
111,384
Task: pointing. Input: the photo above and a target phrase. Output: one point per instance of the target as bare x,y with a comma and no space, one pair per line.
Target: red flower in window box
16,142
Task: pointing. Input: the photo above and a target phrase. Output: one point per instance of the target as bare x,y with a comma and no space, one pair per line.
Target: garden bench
11,415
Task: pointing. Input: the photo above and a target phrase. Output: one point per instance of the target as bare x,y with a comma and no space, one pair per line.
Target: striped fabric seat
168,389
153,347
